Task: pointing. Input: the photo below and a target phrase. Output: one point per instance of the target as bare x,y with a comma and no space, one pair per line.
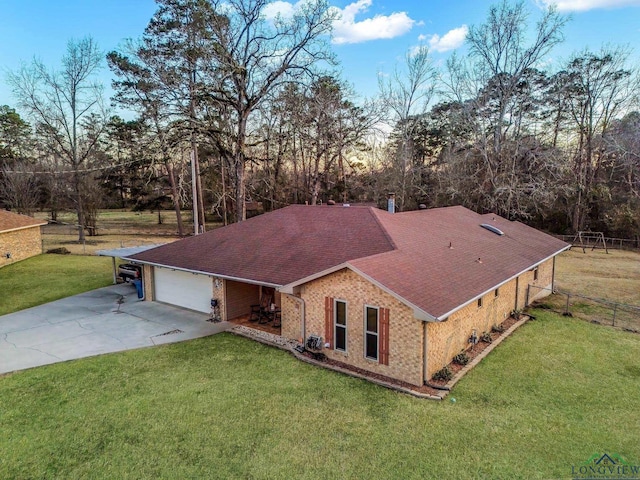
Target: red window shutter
384,336
328,321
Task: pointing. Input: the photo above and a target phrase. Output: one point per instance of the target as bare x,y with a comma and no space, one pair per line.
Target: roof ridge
381,225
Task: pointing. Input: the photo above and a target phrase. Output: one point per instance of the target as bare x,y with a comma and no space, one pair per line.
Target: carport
123,252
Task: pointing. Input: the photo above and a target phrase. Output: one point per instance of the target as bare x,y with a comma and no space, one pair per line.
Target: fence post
615,308
566,310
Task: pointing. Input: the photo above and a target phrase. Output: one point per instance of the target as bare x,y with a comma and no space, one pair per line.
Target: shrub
497,329
486,337
461,359
59,251
445,374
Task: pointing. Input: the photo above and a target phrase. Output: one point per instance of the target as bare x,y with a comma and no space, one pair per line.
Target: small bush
486,337
497,329
461,359
445,374
59,251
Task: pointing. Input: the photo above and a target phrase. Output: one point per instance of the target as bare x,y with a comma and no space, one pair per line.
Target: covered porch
253,306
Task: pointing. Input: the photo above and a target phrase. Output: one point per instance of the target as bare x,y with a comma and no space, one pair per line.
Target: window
340,325
371,317
535,274
480,302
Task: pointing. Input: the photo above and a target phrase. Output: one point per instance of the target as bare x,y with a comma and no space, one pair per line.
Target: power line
86,170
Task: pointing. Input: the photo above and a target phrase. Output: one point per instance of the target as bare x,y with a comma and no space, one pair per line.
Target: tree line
235,111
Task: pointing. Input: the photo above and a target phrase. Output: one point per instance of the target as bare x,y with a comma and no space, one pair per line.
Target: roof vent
346,204
493,229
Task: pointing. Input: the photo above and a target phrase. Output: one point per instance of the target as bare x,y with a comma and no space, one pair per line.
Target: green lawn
46,278
555,393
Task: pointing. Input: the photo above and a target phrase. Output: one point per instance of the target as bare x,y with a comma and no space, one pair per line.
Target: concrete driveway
105,320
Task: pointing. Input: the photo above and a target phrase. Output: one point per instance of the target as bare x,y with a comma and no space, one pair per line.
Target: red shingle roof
406,253
15,221
278,247
426,272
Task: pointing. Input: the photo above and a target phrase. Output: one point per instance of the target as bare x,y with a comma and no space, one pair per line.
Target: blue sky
372,36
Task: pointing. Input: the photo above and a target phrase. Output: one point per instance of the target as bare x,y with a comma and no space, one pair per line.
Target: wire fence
595,310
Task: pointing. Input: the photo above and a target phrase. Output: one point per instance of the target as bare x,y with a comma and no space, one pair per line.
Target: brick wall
405,332
147,282
545,278
218,292
446,339
291,318
21,244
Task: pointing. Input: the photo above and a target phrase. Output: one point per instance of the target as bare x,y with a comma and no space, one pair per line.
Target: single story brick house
397,294
20,237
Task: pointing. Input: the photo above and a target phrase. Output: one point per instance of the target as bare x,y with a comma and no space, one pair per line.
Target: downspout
553,276
424,352
517,292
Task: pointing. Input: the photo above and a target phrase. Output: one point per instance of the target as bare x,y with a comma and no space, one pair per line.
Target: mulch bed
475,350
472,353
382,378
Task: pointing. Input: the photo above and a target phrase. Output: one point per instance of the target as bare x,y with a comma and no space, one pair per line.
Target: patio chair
258,311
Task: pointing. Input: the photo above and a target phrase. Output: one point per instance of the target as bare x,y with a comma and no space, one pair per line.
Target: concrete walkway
105,320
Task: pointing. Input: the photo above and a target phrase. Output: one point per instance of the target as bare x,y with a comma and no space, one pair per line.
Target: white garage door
184,289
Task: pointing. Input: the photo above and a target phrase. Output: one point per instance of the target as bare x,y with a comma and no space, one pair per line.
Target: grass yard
45,278
551,396
116,229
614,276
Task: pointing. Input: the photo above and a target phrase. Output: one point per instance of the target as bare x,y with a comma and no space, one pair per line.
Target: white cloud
272,10
347,30
284,9
584,5
449,41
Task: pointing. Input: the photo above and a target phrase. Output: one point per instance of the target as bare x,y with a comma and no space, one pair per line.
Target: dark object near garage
129,271
138,283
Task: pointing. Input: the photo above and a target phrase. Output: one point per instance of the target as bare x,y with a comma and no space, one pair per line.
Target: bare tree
253,57
59,101
499,54
19,187
600,86
407,94
498,84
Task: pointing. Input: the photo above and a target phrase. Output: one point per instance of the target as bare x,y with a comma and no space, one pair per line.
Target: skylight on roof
491,228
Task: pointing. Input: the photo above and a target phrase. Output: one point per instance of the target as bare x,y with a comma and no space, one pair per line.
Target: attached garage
184,289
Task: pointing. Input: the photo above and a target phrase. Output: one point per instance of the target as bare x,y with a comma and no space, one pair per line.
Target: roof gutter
288,288
24,228
459,307
210,274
